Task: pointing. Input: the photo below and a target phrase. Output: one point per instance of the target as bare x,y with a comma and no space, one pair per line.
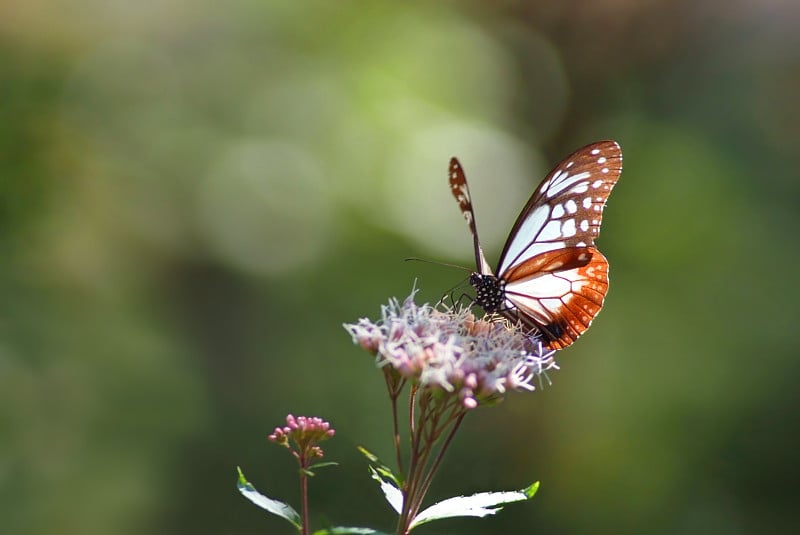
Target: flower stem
435,416
416,461
439,456
394,392
304,498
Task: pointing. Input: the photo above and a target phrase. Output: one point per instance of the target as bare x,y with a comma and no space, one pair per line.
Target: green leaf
349,531
479,505
530,492
323,465
380,467
387,474
371,457
275,507
390,491
309,471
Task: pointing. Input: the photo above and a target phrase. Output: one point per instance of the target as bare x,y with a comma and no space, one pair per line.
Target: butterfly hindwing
562,299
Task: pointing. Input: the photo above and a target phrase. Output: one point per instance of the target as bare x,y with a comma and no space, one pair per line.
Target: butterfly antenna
437,263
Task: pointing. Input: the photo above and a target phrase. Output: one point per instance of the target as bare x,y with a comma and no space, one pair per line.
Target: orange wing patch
561,303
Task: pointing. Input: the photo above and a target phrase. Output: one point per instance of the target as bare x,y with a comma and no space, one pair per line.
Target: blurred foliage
195,195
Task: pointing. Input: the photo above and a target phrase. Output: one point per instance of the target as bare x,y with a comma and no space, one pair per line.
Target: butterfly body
550,276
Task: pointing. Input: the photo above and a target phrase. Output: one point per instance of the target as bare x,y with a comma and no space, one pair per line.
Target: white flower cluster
451,350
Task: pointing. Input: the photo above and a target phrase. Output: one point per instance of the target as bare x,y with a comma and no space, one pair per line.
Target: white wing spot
568,228
597,183
572,207
583,187
595,151
601,159
587,202
584,225
570,164
604,170
597,207
558,211
580,244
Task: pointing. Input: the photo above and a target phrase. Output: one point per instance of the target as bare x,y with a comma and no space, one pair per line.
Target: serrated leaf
477,505
392,493
349,531
270,505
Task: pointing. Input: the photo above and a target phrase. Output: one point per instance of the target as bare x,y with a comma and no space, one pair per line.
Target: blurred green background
194,196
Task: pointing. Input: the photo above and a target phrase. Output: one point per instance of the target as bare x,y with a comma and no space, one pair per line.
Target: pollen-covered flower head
451,350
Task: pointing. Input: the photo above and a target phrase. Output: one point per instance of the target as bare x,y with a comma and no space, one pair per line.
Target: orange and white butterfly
550,276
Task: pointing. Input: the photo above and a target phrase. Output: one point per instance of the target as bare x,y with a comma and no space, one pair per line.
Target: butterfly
550,277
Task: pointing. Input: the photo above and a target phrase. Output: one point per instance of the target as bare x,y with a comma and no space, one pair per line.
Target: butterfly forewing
567,208
460,190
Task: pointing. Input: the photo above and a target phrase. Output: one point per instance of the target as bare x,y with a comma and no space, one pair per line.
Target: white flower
449,349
